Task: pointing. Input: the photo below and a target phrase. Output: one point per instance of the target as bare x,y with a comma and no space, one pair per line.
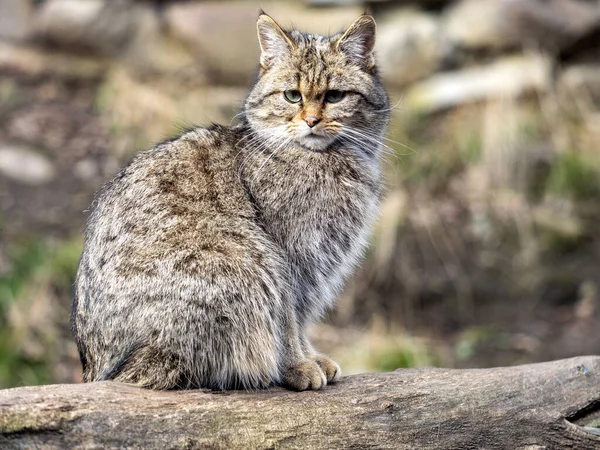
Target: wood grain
552,405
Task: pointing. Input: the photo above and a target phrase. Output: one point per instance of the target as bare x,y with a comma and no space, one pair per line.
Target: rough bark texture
553,405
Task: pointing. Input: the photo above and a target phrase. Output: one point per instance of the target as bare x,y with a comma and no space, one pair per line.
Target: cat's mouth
316,142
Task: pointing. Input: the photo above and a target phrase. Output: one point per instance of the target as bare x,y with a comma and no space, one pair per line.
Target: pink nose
312,120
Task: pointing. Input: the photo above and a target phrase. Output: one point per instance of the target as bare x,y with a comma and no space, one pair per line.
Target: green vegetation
574,177
397,353
9,94
472,339
432,151
38,280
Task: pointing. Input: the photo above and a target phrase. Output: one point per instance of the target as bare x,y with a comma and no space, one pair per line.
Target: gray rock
501,24
507,77
410,46
86,169
34,62
24,165
93,25
15,19
223,34
151,51
375,2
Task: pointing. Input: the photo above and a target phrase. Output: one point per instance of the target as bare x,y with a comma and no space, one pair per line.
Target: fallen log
552,405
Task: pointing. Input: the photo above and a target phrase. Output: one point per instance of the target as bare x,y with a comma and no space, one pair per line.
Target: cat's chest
317,209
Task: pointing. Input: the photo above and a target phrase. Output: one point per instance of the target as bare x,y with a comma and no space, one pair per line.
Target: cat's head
317,91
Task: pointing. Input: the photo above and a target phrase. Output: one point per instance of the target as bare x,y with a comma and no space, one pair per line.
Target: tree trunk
553,405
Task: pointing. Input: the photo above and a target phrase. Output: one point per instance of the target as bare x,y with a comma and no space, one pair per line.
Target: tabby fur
207,258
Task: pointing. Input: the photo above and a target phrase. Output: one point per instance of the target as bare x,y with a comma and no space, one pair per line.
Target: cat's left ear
358,42
274,42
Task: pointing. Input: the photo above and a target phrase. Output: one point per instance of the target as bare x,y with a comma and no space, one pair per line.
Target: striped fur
208,256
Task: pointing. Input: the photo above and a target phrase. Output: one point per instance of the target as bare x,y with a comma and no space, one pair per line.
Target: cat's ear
358,41
274,42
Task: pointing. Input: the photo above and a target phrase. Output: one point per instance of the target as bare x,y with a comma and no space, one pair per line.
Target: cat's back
195,169
174,264
180,198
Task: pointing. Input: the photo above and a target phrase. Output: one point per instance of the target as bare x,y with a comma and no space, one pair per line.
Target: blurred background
488,248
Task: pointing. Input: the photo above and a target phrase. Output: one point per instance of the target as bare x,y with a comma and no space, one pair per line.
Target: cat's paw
304,375
329,367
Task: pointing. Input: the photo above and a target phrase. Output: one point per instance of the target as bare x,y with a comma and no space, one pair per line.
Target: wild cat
208,256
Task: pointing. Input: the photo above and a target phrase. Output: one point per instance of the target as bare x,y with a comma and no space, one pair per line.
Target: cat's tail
116,363
146,366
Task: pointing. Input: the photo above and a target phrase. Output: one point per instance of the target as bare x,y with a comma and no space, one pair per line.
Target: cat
207,257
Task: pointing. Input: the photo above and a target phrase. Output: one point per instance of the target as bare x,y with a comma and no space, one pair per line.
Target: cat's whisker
278,148
241,113
413,151
361,144
400,143
372,140
391,108
254,151
380,142
359,141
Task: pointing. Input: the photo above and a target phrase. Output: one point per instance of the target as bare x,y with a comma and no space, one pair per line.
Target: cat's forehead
317,65
314,53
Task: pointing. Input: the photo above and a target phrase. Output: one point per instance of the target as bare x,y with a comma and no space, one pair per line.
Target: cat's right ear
358,41
274,42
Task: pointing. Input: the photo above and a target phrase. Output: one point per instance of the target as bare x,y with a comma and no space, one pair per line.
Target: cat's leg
330,368
299,372
221,330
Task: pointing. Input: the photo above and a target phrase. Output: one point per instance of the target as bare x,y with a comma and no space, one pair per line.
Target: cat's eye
292,96
334,96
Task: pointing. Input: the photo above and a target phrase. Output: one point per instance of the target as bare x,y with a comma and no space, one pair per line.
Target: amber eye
292,96
334,96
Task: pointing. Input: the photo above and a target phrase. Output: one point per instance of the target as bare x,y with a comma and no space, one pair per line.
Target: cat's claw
304,376
329,367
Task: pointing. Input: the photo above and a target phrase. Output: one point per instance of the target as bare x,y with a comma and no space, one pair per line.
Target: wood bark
552,405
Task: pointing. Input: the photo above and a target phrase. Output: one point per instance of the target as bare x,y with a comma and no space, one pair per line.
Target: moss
574,177
15,422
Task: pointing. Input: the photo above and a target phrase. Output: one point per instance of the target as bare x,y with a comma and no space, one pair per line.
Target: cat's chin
316,143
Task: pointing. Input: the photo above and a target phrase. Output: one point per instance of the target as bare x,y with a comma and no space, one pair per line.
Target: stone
15,19
33,63
99,26
506,77
223,34
410,46
86,169
152,52
501,24
24,165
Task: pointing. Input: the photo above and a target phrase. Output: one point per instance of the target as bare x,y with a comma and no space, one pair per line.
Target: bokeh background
488,248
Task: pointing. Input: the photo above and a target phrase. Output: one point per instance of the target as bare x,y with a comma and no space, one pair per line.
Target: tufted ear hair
358,41
274,42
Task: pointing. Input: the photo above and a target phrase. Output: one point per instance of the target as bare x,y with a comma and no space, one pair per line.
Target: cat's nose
312,120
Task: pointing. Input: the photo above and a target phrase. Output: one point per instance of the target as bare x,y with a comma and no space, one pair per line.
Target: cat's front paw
304,375
329,367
